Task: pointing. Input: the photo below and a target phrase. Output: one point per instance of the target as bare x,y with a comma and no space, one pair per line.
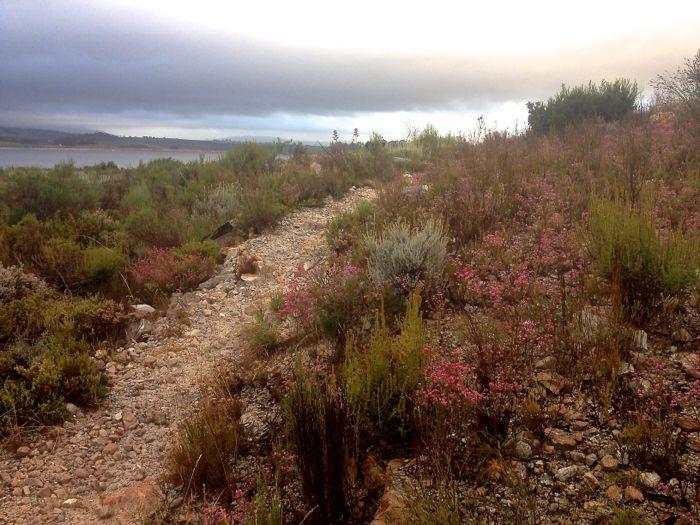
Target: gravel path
104,465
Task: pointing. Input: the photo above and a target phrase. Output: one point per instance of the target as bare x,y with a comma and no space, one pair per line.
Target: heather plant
16,284
403,257
381,378
163,271
623,242
332,297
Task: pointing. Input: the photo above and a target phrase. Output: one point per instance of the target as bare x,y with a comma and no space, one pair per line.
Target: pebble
608,462
633,494
650,480
566,473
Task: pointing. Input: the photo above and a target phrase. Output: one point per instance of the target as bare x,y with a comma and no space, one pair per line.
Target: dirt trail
103,465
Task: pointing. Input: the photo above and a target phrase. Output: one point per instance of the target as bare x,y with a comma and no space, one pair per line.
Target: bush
381,380
318,429
609,101
15,284
261,334
626,248
201,461
38,380
102,265
681,87
403,257
164,271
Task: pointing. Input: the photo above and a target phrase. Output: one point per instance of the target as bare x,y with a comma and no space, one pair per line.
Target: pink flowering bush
332,296
165,270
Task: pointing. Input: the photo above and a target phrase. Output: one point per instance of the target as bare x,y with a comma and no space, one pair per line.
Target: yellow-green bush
101,265
381,379
626,247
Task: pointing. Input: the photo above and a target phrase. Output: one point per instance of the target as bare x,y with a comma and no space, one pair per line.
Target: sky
298,70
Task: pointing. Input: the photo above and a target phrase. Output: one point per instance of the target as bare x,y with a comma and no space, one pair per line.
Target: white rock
650,480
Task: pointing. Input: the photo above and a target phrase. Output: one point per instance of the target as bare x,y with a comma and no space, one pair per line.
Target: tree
609,101
681,88
335,135
355,136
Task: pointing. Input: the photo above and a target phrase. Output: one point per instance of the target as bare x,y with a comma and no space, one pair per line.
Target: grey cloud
57,59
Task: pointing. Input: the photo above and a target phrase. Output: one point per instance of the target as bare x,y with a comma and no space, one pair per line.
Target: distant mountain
43,137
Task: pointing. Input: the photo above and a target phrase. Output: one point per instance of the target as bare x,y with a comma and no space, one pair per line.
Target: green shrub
381,379
23,318
318,429
205,249
89,318
626,248
39,379
102,265
61,263
610,101
345,231
626,517
208,444
403,257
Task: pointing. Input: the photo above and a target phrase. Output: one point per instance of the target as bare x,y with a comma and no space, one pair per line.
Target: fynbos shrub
626,247
381,380
403,256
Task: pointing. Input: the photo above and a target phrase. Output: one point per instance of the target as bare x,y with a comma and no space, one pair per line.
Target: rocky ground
104,465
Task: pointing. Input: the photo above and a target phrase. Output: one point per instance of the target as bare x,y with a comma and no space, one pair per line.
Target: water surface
49,157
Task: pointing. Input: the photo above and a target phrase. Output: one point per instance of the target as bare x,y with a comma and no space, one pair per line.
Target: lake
49,157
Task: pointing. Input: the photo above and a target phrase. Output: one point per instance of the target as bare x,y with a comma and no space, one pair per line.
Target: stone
681,336
552,381
110,448
578,457
44,492
650,480
593,506
625,369
633,494
129,420
640,340
608,462
81,473
150,360
71,503
143,309
22,452
688,424
559,437
72,408
130,503
590,480
546,363
523,450
373,474
614,493
566,473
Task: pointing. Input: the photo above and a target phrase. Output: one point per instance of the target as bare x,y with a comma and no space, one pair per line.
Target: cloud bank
66,59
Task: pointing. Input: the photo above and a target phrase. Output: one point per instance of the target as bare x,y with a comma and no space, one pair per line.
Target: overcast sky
208,69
